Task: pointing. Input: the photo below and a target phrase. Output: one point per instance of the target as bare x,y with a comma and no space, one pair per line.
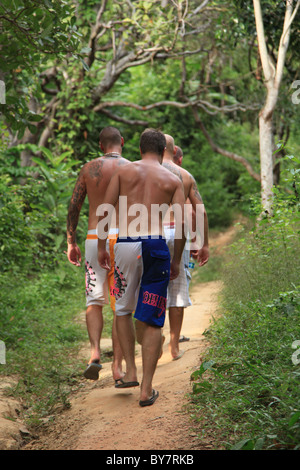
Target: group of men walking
139,264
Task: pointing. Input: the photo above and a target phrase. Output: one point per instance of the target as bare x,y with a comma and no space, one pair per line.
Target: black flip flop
151,400
120,383
92,370
182,339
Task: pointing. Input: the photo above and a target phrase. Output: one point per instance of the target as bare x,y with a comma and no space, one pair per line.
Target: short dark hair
110,136
152,141
179,153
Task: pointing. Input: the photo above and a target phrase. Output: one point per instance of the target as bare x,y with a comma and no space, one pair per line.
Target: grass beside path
246,391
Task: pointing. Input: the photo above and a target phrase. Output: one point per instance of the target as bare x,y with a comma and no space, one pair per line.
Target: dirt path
104,418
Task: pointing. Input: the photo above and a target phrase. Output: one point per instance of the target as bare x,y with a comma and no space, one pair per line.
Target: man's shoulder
103,165
185,173
123,161
94,162
92,168
172,168
173,177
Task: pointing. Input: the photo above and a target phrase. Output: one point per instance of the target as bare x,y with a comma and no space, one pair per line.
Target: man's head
110,139
170,147
152,141
178,156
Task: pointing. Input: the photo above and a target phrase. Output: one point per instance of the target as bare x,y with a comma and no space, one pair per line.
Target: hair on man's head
110,136
152,141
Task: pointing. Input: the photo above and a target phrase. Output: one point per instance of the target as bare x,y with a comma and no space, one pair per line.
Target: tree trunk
273,77
266,161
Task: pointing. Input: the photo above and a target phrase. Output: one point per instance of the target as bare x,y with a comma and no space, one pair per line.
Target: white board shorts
142,273
178,289
98,281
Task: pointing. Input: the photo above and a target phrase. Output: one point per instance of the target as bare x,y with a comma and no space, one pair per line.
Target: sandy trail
104,418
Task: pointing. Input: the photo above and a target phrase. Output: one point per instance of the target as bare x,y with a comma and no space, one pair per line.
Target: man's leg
117,352
126,335
175,320
94,322
140,329
151,349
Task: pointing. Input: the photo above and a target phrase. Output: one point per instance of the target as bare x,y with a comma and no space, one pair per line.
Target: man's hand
203,255
74,254
174,270
194,254
104,259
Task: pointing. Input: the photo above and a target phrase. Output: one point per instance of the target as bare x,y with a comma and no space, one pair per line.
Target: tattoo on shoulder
95,170
122,162
173,170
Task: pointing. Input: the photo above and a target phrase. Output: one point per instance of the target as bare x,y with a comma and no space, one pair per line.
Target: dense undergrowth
247,387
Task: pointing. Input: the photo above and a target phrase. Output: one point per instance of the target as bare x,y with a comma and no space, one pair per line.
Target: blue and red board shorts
141,277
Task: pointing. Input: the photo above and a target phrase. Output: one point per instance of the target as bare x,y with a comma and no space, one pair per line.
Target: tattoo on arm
196,191
77,200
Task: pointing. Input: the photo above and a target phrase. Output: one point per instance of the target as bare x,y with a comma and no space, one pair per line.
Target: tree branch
285,37
216,148
265,60
225,153
132,122
206,105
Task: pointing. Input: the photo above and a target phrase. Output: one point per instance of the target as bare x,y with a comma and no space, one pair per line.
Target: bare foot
117,372
178,356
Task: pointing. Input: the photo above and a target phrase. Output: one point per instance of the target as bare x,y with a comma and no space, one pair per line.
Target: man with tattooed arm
92,182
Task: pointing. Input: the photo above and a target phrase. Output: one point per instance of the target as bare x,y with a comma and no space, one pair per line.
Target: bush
33,214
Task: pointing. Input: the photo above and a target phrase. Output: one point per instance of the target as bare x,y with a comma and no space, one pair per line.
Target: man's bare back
93,181
144,183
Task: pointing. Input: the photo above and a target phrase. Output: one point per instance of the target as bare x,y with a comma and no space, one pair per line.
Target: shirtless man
142,264
178,290
92,181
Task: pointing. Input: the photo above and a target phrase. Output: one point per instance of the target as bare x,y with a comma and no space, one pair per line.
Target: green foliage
248,385
255,392
32,32
33,215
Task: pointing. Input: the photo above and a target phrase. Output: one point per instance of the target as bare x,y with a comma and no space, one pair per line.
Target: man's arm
201,225
178,201
77,199
109,203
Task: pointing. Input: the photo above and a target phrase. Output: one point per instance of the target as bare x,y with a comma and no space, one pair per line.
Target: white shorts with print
98,281
178,289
